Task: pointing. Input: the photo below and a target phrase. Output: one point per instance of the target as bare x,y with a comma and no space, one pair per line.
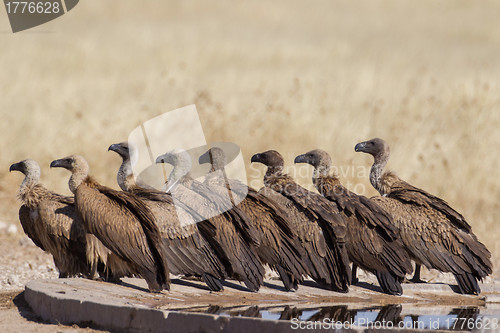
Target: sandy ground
17,316
20,262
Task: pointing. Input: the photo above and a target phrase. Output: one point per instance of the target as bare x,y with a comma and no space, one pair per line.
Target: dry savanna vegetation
285,75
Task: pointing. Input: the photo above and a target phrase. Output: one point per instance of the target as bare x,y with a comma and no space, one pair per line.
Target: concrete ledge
130,307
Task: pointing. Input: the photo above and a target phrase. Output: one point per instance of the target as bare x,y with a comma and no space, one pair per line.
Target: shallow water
389,316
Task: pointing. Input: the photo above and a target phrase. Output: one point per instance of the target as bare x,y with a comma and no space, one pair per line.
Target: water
388,316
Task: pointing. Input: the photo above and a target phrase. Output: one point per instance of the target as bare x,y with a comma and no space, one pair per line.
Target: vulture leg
416,276
354,278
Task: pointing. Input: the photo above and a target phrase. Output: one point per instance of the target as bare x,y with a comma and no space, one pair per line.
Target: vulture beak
15,167
58,164
360,147
205,158
114,147
256,158
301,159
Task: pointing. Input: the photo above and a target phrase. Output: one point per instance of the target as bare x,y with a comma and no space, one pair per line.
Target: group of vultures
102,233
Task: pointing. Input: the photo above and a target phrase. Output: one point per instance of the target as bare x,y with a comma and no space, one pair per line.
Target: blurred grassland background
285,75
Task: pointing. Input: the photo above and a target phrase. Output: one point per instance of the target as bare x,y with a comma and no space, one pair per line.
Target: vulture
279,246
49,219
316,211
188,253
121,221
372,240
433,233
226,228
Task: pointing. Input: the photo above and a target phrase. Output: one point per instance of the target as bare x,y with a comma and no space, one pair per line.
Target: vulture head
375,147
69,163
176,158
270,158
28,167
214,156
77,165
125,171
73,163
180,160
121,149
317,158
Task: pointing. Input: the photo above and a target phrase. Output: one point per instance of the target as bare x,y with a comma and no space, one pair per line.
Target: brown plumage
49,219
227,229
433,233
372,240
329,241
188,253
121,221
279,246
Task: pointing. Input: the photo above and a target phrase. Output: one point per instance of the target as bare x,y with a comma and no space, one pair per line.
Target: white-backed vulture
121,221
279,246
225,228
49,219
372,240
188,253
434,234
319,211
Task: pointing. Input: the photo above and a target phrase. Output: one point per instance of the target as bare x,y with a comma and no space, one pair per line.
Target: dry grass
288,75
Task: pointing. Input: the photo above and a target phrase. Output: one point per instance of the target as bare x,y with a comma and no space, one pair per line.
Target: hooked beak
301,159
114,147
57,164
205,158
255,158
360,147
15,167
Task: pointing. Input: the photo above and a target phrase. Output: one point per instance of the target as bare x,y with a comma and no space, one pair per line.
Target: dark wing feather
187,251
351,204
220,231
321,233
373,241
434,242
222,203
407,193
29,226
279,215
124,225
67,236
318,207
277,247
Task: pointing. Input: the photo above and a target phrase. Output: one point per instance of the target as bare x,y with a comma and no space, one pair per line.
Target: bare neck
125,176
77,177
377,170
30,179
320,171
217,165
179,175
